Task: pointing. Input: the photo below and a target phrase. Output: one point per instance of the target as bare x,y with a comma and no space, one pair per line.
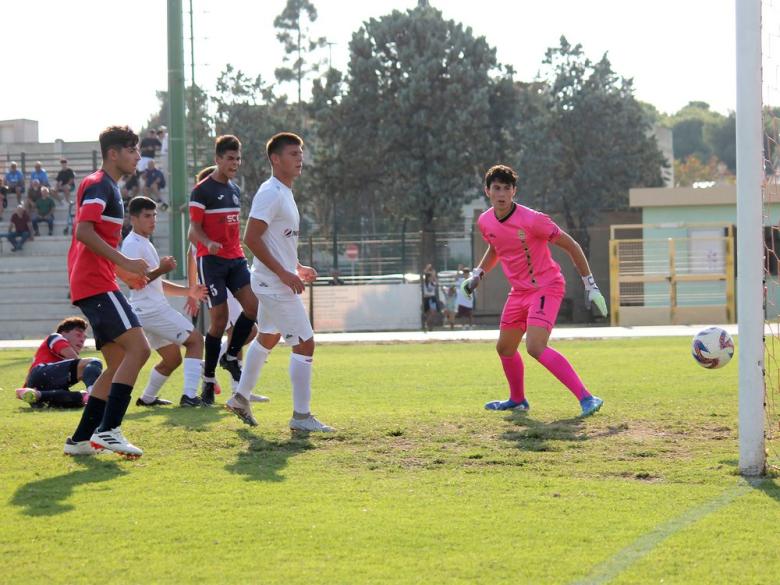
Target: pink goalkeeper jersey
521,242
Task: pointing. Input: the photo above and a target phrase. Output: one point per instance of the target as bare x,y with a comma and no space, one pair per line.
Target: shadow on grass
263,459
175,416
534,435
47,497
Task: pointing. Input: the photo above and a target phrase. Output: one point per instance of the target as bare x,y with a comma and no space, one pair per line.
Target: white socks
156,381
192,371
254,360
300,376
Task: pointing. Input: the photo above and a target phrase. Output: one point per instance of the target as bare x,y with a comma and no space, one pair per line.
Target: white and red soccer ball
712,348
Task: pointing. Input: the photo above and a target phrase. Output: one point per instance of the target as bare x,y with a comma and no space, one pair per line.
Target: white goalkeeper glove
472,282
593,296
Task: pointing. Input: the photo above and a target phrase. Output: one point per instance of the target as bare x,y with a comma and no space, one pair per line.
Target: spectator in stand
33,194
40,175
3,197
150,146
162,136
20,229
154,182
450,305
14,180
44,212
66,181
131,188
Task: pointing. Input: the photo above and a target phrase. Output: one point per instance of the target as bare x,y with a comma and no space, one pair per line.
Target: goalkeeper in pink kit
518,237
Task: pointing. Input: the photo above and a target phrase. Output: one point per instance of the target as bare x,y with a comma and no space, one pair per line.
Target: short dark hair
117,137
277,142
226,143
70,324
205,173
140,203
502,174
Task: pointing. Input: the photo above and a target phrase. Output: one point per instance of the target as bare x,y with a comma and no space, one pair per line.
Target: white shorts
164,326
284,313
234,309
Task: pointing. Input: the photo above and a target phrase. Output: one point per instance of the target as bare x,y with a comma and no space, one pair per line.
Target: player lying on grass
57,366
518,237
165,328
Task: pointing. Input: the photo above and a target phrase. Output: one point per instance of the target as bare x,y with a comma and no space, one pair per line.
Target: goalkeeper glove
472,282
593,296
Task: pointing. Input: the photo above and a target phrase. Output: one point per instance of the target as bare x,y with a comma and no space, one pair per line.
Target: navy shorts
220,275
57,376
109,314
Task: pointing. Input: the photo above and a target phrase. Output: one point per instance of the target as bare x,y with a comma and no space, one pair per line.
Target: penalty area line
623,559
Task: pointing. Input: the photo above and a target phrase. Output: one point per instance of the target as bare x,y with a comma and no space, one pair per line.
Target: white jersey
274,204
151,296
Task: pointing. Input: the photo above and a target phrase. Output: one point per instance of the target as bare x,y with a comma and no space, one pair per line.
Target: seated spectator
149,146
154,182
66,181
34,192
131,188
44,212
20,229
40,175
57,366
14,180
3,197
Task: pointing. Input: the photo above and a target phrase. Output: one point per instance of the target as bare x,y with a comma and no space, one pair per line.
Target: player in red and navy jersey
56,367
94,262
215,205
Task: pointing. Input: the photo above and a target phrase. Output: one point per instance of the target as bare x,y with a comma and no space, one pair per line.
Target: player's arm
197,292
488,262
306,273
198,235
86,234
253,238
68,353
167,263
592,293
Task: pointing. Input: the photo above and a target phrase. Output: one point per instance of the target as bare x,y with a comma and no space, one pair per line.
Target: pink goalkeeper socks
560,367
513,370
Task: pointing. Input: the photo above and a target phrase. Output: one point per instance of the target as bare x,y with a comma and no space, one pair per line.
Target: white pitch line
643,545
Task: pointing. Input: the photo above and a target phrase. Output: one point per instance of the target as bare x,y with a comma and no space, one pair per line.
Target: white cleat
310,425
241,407
258,398
114,440
78,448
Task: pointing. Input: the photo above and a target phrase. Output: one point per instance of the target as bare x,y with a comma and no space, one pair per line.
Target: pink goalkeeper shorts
538,308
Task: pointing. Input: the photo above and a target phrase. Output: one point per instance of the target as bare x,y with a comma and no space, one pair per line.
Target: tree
584,140
297,41
693,170
417,108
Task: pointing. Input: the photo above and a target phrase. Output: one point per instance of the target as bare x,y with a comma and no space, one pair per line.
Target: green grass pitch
420,484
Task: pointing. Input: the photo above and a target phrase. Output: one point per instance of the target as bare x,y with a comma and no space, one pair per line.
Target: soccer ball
712,348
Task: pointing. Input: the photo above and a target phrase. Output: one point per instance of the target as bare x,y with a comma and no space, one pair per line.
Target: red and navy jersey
216,207
50,351
98,201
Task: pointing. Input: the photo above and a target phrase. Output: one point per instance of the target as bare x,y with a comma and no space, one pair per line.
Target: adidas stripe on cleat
114,440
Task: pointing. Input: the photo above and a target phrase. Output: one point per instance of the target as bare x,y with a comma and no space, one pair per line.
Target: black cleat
191,402
156,402
232,366
207,394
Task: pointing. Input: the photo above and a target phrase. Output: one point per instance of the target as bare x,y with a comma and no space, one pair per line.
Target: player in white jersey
278,279
164,327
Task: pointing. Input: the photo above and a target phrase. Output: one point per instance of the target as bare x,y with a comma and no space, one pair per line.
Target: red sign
352,252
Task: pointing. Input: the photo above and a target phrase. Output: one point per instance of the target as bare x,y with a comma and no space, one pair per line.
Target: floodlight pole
177,146
750,247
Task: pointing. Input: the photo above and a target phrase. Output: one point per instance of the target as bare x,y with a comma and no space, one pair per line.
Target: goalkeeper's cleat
521,406
310,425
241,407
590,405
77,448
115,441
28,395
231,365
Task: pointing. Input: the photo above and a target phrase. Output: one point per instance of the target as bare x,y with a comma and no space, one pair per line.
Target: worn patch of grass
420,484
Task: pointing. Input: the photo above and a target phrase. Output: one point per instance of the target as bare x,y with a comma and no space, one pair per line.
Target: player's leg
212,272
238,282
48,385
541,319
193,368
170,359
511,331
